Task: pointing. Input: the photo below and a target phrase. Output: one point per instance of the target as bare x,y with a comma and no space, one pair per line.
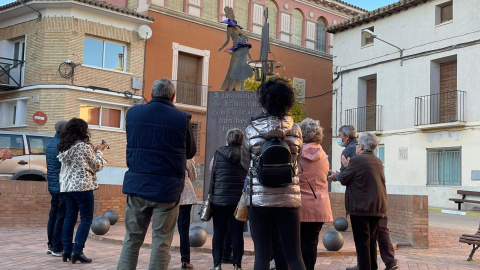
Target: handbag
206,209
241,212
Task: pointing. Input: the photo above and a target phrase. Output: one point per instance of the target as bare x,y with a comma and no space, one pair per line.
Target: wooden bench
471,239
464,193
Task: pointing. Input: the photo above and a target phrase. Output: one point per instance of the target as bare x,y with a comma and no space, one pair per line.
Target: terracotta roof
374,15
89,2
350,5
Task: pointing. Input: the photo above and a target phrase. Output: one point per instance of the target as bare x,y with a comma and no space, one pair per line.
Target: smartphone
106,144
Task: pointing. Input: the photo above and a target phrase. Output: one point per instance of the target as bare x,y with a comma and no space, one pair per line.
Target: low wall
407,216
26,203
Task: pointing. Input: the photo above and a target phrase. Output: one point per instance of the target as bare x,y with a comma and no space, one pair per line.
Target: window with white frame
257,18
444,12
104,54
380,153
444,166
285,27
13,112
103,115
310,36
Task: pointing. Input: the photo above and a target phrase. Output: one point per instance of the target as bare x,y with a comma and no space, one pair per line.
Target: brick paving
24,248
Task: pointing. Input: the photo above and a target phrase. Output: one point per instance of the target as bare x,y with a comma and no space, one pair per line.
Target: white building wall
413,30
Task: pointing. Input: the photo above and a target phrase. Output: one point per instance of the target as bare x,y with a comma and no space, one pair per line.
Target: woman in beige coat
315,208
187,198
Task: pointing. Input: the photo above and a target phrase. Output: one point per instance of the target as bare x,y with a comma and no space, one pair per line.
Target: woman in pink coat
315,208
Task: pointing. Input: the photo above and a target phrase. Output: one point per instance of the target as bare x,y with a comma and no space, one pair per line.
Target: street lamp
369,34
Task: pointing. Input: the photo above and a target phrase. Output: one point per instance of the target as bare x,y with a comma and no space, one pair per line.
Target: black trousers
183,230
222,217
365,232
385,244
309,232
287,221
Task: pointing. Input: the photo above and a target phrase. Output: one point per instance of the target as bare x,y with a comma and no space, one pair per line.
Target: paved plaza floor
25,248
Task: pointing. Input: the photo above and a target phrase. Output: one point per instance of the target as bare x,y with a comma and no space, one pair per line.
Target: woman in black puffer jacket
228,176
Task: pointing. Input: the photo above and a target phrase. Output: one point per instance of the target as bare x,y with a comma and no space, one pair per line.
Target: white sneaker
56,254
49,250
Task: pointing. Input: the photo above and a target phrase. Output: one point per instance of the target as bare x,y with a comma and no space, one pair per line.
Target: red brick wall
27,203
407,216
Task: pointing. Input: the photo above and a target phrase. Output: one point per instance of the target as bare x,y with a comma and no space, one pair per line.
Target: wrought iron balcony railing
191,93
11,73
440,108
368,118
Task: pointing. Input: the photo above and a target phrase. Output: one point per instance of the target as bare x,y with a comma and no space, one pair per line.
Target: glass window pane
90,114
114,56
37,145
93,52
111,118
14,143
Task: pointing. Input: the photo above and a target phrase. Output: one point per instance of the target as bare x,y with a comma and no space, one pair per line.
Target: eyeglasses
358,144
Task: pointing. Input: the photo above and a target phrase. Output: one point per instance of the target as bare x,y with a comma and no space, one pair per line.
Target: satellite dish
145,32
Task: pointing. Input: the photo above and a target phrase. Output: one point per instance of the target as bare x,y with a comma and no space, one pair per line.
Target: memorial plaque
226,110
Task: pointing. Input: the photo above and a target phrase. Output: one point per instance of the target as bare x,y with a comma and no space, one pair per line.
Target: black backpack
274,167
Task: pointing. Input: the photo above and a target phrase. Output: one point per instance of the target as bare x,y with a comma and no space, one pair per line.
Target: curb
454,212
246,252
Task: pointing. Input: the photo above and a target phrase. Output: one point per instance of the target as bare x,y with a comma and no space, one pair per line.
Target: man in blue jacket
159,142
58,208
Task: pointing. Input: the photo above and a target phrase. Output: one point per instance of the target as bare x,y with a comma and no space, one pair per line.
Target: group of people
285,221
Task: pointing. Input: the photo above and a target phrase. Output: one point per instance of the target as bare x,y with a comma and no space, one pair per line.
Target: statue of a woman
234,31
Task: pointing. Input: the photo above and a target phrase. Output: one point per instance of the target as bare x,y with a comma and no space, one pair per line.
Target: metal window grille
444,167
321,36
196,128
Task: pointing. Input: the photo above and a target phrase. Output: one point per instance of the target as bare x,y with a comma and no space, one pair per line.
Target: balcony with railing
11,73
368,118
441,108
191,93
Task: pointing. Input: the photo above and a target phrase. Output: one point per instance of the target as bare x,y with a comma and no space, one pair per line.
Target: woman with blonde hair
316,207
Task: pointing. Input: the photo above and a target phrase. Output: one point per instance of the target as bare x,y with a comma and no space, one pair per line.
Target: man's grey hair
163,88
60,126
234,137
348,130
311,131
368,140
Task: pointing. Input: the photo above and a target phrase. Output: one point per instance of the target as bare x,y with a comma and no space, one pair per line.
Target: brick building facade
100,90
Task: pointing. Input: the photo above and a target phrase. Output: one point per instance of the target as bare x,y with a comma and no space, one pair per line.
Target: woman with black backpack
270,152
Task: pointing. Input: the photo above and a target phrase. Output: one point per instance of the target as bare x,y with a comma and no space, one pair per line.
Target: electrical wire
412,56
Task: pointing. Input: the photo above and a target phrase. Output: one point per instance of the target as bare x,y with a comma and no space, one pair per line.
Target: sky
365,4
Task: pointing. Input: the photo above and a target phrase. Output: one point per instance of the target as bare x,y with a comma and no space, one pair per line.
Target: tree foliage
297,111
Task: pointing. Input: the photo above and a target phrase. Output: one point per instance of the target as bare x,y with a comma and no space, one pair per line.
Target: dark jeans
287,222
385,244
309,232
77,202
55,222
365,232
222,216
183,229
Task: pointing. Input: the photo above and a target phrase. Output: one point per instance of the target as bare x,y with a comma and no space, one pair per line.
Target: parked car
28,162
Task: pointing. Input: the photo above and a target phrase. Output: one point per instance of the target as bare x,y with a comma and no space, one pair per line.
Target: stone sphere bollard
100,225
112,216
333,240
197,236
340,224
